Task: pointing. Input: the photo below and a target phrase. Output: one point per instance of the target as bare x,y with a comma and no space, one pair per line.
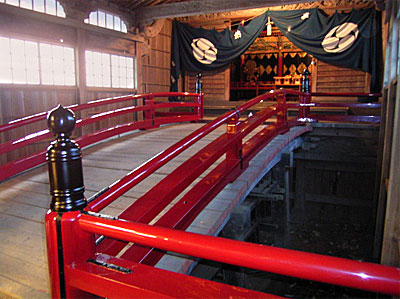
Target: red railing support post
66,243
304,101
150,112
281,115
234,152
200,101
305,97
307,103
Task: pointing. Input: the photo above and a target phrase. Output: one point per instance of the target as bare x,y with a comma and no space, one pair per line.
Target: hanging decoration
200,50
351,40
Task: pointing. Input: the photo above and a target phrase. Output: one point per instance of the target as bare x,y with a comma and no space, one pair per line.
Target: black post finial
199,84
64,159
305,83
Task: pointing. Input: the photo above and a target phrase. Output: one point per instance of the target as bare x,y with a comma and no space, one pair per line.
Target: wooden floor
25,199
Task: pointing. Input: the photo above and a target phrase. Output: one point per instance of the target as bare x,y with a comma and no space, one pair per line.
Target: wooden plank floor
25,199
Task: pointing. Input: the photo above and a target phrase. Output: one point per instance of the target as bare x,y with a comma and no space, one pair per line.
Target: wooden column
298,213
80,65
390,254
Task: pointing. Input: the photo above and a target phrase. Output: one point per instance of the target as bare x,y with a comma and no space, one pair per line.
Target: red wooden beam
17,166
137,175
147,282
333,270
182,214
155,200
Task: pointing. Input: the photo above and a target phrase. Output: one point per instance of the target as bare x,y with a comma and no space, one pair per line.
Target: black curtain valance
351,40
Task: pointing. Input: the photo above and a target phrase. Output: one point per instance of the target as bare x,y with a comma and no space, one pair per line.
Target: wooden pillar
389,195
280,64
391,238
227,83
299,204
81,65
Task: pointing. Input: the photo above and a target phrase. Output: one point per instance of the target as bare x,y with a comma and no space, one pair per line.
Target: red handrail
137,175
42,135
79,228
92,104
16,166
333,270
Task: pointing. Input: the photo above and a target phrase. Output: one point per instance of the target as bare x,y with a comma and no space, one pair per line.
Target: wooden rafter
134,4
146,15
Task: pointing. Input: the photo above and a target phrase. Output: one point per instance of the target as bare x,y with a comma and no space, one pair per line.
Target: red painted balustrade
82,263
152,119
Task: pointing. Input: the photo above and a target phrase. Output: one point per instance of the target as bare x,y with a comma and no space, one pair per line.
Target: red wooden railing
81,262
152,119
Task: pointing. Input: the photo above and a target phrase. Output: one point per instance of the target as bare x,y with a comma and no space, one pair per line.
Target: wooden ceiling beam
135,3
146,15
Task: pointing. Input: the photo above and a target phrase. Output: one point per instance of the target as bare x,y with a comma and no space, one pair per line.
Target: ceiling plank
146,15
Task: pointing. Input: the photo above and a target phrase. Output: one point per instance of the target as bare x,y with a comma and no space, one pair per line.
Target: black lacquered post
305,84
64,159
199,84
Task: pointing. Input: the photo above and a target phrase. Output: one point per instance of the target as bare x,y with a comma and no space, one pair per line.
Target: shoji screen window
50,7
106,20
57,65
29,62
109,70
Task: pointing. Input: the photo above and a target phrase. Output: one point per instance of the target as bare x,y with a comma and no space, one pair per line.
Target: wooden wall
155,59
330,78
16,101
215,84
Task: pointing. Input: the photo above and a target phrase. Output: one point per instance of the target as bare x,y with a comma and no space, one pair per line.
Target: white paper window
109,70
106,20
50,7
29,62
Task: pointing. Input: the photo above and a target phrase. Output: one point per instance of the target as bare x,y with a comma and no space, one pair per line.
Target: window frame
58,13
40,85
111,53
122,27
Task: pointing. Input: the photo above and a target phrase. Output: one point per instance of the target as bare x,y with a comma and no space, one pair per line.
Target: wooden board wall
215,84
330,78
18,101
155,60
